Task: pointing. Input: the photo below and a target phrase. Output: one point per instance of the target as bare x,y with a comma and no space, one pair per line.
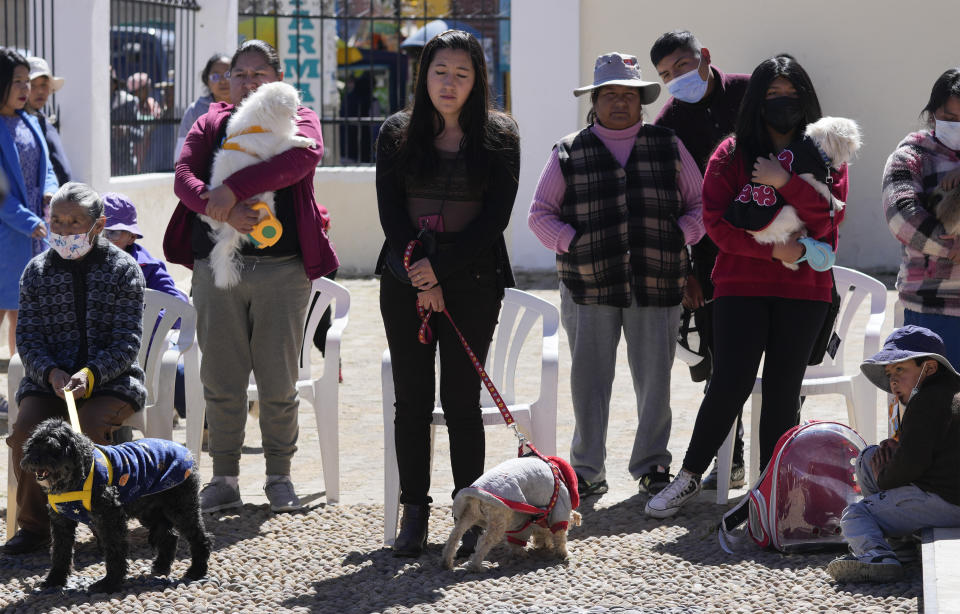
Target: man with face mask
702,111
911,481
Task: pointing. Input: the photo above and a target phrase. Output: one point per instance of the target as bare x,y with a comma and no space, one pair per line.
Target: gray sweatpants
594,334
256,325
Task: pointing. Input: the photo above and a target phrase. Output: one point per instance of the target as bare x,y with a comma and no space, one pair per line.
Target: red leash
425,335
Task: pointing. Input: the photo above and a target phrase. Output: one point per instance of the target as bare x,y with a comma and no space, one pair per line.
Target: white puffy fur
840,139
273,107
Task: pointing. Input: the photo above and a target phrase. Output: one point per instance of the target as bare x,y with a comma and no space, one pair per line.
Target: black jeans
746,328
473,299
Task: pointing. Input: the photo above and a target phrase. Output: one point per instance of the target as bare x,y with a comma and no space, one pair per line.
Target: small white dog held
263,126
501,501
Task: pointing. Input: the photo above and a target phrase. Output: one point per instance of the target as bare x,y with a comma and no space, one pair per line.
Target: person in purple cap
912,480
122,230
618,202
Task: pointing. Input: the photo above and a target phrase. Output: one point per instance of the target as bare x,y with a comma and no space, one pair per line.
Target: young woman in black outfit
447,166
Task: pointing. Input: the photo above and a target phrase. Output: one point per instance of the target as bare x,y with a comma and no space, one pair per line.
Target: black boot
469,542
413,531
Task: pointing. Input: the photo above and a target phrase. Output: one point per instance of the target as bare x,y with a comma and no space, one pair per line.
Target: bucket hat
121,213
40,68
903,344
620,69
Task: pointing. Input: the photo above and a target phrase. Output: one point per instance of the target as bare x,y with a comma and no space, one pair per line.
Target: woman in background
214,77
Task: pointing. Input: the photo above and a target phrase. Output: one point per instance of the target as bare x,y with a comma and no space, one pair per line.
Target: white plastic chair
537,419
829,377
160,370
322,393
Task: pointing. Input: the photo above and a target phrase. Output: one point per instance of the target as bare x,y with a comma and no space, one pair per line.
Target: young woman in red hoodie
761,307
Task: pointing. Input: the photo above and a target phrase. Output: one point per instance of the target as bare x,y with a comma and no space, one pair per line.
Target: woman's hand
58,379
692,294
432,299
77,385
951,179
768,171
954,253
40,231
421,275
243,217
791,251
220,200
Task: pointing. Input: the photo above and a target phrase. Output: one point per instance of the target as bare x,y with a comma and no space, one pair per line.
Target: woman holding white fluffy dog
761,308
254,325
447,170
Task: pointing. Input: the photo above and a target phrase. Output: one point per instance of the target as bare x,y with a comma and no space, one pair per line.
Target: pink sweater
544,217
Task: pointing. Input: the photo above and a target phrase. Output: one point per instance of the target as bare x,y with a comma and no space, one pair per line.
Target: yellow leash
72,410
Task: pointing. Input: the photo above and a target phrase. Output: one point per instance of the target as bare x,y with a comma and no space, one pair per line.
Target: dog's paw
52,581
793,266
107,585
475,566
160,569
196,571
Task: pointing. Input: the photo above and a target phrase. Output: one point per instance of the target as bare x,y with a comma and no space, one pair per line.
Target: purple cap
120,212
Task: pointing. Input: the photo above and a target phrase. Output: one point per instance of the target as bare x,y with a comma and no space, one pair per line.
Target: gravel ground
331,558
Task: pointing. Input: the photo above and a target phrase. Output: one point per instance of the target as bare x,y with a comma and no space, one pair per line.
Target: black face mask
783,114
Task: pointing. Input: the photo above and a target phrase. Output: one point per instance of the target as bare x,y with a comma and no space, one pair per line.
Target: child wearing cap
123,232
911,482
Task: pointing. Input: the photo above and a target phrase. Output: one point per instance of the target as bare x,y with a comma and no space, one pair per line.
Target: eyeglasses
240,76
215,77
114,234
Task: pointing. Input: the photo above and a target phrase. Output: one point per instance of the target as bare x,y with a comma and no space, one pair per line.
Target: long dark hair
9,60
263,48
485,129
946,85
751,129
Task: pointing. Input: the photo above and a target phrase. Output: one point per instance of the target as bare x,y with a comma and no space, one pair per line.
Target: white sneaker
219,494
280,493
668,501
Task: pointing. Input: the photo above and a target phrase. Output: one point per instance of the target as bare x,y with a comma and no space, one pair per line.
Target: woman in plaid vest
618,202
761,308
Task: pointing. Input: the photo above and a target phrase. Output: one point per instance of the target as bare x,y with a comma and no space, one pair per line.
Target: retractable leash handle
819,255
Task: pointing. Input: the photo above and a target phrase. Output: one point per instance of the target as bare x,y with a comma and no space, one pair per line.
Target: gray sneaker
218,495
872,567
281,495
668,501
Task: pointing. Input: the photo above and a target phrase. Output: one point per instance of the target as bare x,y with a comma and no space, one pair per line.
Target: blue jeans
948,327
895,512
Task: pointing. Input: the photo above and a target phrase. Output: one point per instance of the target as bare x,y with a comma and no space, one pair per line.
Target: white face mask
688,87
71,247
948,133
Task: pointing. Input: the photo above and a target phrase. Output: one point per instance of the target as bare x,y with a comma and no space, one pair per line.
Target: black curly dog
61,460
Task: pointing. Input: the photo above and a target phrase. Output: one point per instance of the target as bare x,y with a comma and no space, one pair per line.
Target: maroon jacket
294,167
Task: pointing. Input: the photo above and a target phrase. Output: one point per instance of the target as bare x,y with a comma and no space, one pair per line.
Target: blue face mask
688,87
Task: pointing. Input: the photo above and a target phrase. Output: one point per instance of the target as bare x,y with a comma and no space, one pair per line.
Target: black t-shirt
289,243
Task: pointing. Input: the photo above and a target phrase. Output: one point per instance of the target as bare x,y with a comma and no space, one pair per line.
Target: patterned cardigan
928,281
83,313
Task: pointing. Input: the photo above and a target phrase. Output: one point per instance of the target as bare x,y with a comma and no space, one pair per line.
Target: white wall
873,61
545,53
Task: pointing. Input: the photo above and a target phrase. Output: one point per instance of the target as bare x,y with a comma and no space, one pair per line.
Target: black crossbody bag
828,341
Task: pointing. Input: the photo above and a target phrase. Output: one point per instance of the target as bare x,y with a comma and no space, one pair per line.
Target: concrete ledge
941,583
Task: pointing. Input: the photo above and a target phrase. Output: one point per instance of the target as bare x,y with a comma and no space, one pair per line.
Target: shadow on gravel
232,526
385,581
627,517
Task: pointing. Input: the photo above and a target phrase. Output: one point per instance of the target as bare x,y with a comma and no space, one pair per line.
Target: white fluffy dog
502,500
756,208
946,208
262,126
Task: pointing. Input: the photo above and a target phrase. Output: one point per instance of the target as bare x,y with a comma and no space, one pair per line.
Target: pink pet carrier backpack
798,500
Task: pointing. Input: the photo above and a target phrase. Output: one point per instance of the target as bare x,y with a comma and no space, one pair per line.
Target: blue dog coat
136,469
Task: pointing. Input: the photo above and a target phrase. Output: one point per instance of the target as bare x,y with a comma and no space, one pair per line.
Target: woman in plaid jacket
929,279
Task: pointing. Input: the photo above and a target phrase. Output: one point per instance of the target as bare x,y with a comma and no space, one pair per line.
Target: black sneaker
737,478
872,567
586,489
656,480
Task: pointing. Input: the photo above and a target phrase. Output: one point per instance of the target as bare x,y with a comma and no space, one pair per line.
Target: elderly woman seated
81,308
